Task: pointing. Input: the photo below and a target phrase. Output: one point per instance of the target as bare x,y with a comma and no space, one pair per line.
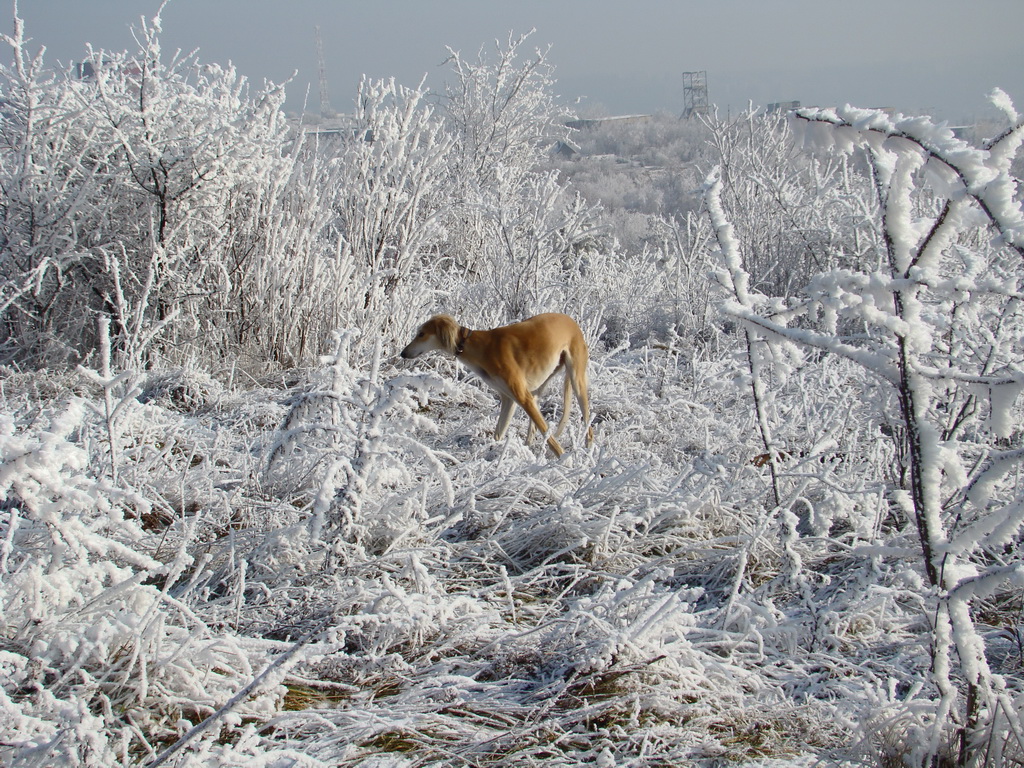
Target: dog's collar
461,340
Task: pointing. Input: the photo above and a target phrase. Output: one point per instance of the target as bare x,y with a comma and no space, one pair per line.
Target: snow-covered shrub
538,247
98,658
503,113
288,270
514,234
349,445
53,172
160,193
393,185
905,315
795,214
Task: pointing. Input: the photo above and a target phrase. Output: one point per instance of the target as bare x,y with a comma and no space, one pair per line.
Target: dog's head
440,332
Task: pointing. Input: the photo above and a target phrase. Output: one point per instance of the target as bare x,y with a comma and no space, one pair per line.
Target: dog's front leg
504,416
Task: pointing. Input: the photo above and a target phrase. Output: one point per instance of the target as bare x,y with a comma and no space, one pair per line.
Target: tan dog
516,361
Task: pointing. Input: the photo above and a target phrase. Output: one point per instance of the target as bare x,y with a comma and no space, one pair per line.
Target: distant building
590,123
565,149
87,70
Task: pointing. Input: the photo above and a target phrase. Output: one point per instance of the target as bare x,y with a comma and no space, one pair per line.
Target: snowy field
237,530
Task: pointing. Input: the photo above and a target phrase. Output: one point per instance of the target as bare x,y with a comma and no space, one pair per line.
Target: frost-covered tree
159,192
795,214
53,170
937,317
196,156
392,181
511,225
503,113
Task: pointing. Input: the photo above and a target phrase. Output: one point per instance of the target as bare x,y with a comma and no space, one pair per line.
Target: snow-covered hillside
236,529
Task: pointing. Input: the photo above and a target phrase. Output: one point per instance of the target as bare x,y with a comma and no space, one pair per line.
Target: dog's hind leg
537,394
527,402
566,400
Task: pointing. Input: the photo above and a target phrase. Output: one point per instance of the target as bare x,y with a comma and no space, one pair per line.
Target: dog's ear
447,331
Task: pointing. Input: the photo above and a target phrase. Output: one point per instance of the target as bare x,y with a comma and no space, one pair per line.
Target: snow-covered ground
452,599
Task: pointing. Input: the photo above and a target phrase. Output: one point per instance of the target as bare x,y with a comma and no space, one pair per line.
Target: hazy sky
940,57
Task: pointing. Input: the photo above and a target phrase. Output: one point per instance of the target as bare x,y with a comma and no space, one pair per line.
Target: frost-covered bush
159,192
934,316
138,193
795,213
515,234
393,186
348,445
503,113
97,649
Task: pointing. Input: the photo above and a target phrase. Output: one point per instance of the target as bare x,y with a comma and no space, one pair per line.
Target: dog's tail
576,360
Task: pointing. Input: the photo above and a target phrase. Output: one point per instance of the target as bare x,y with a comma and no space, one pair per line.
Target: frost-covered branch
734,278
979,173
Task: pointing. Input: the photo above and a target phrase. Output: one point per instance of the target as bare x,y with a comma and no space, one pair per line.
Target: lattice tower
695,93
325,97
